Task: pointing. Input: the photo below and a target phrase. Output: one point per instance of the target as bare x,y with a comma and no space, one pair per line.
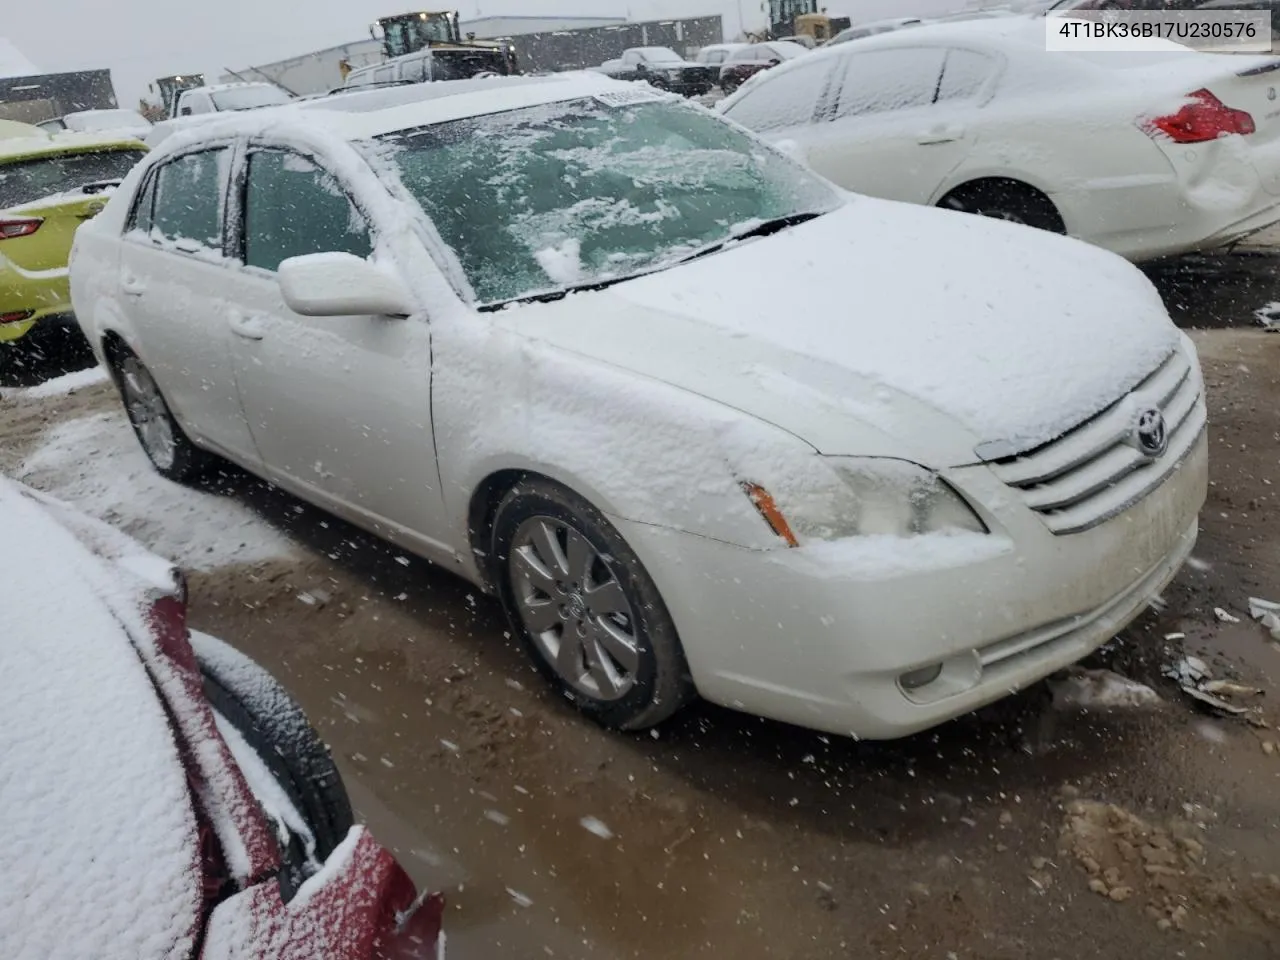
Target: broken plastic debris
1267,612
1217,703
1197,682
1224,616
1269,317
1225,688
1100,690
593,825
1188,670
521,899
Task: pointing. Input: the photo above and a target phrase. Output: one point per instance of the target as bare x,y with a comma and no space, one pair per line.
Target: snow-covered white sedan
546,332
1146,154
162,797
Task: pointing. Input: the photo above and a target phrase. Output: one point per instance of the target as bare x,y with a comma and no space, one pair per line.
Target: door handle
248,327
940,134
133,286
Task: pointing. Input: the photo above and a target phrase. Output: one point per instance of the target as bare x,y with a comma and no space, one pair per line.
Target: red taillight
23,227
17,316
1204,118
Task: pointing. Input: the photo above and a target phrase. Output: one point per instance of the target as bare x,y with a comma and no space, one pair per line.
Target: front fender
636,448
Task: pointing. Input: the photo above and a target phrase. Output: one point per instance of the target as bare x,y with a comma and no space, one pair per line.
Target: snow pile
99,854
13,63
95,462
60,386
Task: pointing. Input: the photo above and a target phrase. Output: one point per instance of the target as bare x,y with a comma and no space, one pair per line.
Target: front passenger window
188,199
293,207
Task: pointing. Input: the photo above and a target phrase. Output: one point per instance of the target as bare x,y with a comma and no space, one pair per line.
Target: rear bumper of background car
360,906
43,294
53,333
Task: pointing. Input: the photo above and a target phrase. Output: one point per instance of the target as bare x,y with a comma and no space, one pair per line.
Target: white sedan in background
1145,154
533,330
125,123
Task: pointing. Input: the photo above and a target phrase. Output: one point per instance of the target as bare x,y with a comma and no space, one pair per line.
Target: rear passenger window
887,80
964,75
293,207
189,195
782,98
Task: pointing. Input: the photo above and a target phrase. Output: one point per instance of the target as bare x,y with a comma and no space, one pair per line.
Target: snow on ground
95,463
60,386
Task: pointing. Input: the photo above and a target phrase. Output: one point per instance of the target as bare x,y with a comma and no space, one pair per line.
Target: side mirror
642,68
342,285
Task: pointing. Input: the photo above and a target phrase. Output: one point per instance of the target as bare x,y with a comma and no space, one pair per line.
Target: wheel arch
487,496
1006,181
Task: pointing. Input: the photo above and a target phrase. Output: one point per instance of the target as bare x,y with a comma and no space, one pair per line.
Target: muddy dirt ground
1027,831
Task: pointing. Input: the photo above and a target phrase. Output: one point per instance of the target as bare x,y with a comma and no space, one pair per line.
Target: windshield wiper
549,296
765,229
768,227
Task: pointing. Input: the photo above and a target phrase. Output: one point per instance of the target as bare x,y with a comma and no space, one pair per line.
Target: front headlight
850,497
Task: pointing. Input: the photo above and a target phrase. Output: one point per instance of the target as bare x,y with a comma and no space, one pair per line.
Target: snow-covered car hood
100,852
885,329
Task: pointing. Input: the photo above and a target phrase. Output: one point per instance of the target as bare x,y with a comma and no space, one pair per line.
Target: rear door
893,129
177,289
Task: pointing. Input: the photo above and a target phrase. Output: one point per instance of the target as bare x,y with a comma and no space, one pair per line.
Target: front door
173,286
340,407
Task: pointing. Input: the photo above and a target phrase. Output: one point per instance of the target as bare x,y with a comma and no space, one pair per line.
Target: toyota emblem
1271,93
1151,434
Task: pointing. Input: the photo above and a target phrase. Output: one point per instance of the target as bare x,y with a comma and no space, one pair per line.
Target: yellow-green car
48,187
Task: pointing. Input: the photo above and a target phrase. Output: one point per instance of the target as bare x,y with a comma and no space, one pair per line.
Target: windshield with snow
569,194
25,181
247,98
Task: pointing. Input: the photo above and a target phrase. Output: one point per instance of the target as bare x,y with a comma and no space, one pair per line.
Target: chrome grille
1094,472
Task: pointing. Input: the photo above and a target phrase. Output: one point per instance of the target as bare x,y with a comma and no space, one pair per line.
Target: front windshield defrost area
571,194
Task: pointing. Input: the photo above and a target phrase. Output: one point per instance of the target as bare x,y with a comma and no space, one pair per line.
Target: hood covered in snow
100,852
889,321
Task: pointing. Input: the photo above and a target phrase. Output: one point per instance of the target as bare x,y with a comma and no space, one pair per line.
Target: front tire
587,610
168,448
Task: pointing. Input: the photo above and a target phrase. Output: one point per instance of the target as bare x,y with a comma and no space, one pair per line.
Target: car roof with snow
364,115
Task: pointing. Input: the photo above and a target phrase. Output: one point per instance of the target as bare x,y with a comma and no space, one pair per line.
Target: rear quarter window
781,99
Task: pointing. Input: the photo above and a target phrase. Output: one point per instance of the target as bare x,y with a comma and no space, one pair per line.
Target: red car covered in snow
162,795
745,62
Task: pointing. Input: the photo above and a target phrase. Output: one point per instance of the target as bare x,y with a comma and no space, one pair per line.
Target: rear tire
164,442
1009,200
273,724
586,608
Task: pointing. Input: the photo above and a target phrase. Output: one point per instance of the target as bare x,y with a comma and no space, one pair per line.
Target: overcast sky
139,40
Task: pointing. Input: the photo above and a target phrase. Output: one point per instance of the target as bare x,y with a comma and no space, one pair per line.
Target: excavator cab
411,32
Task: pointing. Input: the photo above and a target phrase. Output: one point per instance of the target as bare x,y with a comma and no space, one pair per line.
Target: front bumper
819,636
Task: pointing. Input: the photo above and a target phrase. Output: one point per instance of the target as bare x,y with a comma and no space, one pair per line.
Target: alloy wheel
571,602
148,413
